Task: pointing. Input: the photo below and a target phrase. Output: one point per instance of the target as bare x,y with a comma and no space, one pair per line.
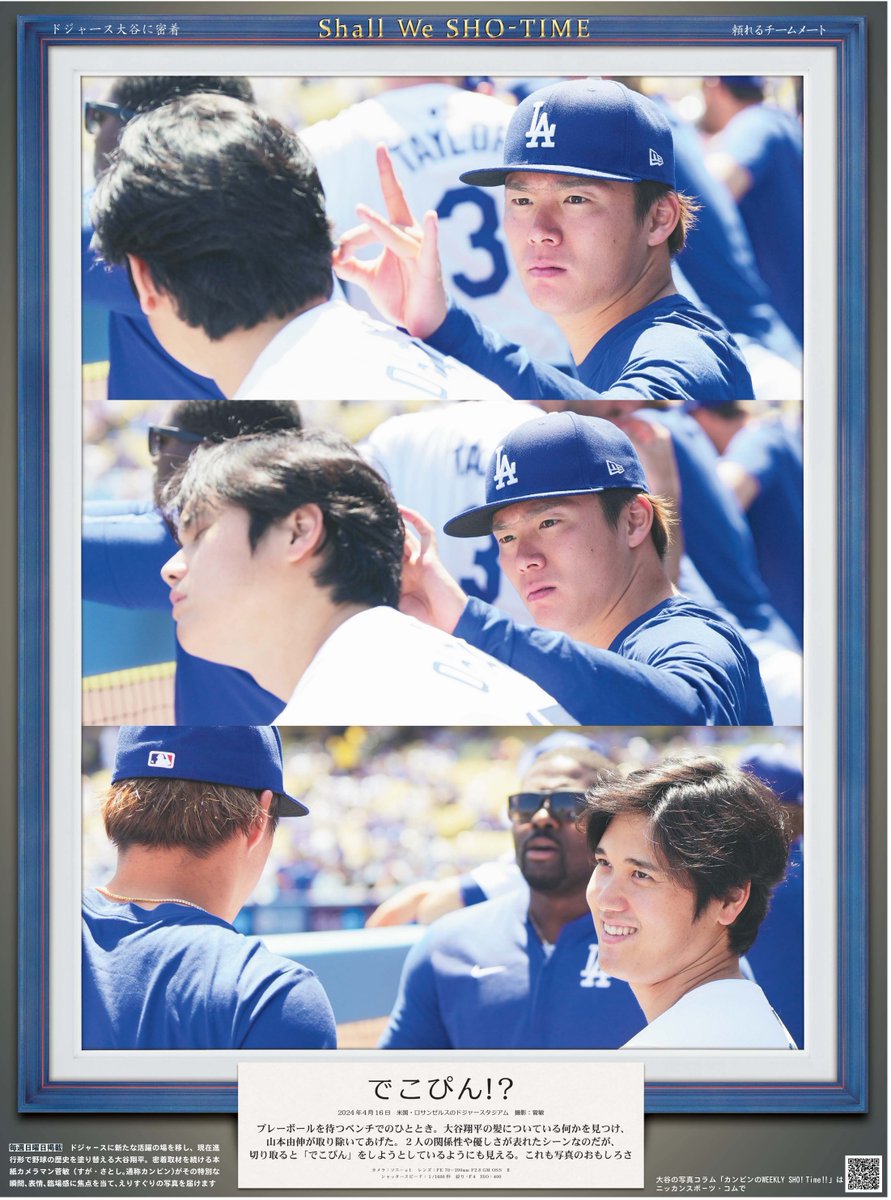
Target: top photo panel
416,238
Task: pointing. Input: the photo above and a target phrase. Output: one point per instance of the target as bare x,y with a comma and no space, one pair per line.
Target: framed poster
65,63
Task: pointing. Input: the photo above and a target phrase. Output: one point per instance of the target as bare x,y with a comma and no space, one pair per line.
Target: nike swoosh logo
478,972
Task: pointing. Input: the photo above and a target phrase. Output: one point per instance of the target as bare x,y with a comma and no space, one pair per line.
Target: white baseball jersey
435,462
434,131
384,668
728,1014
335,352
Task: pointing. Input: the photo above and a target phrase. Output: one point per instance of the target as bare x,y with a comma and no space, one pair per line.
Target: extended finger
404,241
353,239
394,196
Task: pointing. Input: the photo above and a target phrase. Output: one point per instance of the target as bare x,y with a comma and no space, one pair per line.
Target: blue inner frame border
36,37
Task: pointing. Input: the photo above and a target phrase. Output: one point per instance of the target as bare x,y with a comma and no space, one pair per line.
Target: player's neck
583,330
647,586
232,357
146,874
657,998
288,655
549,913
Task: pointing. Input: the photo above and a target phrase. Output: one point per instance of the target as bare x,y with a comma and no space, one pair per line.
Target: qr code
863,1173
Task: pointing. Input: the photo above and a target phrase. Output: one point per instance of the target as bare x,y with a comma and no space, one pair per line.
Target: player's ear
260,828
147,290
637,517
662,218
305,530
732,904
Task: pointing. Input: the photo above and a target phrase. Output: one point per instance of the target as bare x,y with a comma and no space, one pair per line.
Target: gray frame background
787,1144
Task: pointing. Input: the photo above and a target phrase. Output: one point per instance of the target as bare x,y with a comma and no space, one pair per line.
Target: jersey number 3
485,237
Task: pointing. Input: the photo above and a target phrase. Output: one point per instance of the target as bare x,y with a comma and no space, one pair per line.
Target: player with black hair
219,214
125,545
138,366
686,855
289,568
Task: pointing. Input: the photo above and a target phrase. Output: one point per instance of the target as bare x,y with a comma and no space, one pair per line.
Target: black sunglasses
563,806
96,111
162,439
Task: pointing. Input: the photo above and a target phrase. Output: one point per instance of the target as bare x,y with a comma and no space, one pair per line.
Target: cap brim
289,807
477,522
493,176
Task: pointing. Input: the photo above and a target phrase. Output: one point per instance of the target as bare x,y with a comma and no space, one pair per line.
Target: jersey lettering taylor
435,131
384,668
436,462
334,352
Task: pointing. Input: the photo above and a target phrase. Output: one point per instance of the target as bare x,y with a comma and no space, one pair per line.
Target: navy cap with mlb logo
247,756
561,454
593,127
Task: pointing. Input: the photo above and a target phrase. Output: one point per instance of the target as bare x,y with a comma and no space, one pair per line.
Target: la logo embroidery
592,976
161,758
505,471
540,129
656,160
614,468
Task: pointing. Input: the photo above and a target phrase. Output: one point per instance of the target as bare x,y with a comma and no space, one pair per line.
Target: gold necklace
149,899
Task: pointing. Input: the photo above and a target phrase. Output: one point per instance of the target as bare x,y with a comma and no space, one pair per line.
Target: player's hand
428,591
405,280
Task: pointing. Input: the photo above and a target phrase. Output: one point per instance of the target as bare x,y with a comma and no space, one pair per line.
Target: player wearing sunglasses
521,971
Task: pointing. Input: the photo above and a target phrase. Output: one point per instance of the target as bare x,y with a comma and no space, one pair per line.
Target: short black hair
225,207
218,420
716,827
271,474
140,93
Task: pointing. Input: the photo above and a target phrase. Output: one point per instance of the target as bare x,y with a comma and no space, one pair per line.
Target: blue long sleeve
676,665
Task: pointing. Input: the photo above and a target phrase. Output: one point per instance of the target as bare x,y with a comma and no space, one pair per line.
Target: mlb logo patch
161,758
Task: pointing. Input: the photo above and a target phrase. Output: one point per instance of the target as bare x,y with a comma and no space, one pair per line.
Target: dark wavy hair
271,474
715,827
225,207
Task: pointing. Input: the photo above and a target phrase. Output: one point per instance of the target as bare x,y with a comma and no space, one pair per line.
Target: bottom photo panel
247,888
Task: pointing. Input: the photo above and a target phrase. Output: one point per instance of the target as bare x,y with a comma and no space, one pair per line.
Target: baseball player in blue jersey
592,219
191,812
521,971
583,542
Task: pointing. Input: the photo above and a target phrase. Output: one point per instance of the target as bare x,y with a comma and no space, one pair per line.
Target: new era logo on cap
656,159
540,133
161,758
614,468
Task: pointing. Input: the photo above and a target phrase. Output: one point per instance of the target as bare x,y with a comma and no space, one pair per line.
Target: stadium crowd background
392,806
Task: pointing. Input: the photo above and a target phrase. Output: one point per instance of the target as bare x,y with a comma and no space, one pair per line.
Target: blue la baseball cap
560,454
247,756
777,766
595,127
